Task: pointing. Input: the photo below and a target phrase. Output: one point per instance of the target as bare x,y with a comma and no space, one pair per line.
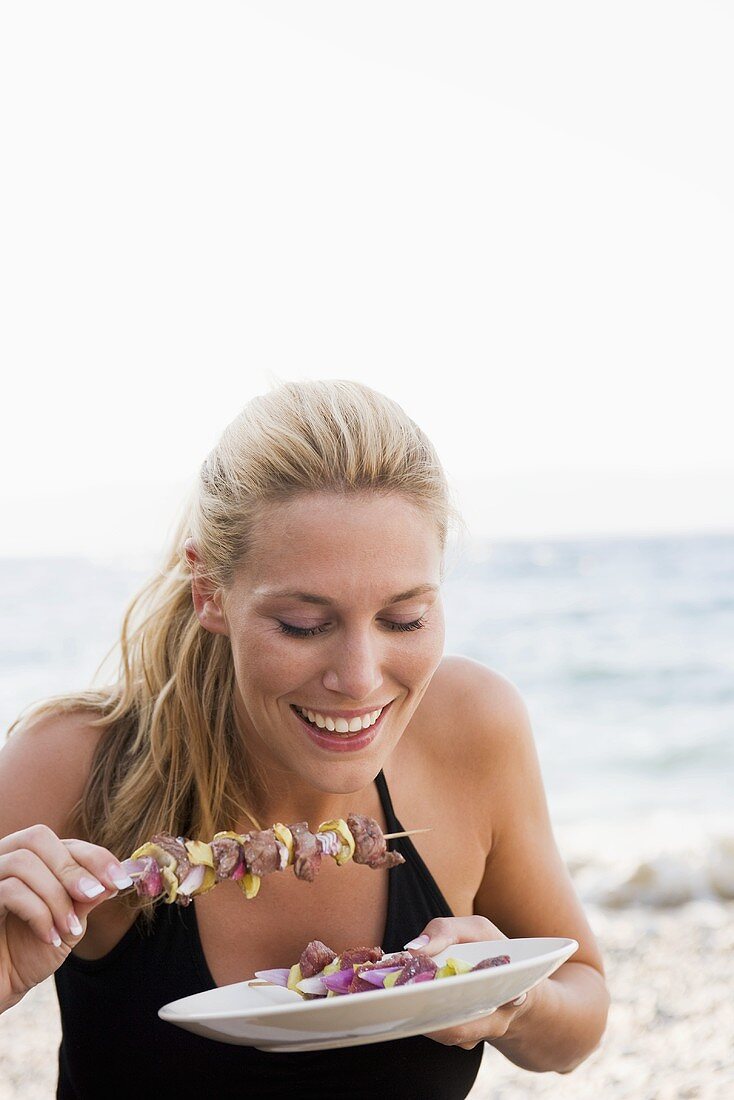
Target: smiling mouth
340,727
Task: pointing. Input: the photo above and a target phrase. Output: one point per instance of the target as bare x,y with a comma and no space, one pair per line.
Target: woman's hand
47,888
440,934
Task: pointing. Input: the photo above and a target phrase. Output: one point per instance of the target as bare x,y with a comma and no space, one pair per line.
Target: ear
207,598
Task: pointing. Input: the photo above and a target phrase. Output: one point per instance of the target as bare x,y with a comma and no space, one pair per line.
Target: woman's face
315,625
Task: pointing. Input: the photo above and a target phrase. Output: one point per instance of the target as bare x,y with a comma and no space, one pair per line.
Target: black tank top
114,1044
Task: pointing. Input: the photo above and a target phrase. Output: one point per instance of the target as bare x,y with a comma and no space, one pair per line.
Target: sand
670,1033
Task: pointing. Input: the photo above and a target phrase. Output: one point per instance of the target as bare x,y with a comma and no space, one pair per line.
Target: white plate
276,1019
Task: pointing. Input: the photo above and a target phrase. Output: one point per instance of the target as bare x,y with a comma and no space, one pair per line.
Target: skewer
408,832
181,869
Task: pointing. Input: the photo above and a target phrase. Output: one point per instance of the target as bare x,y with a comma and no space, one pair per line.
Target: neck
290,800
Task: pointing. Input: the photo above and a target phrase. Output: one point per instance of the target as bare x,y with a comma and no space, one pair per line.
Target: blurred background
517,221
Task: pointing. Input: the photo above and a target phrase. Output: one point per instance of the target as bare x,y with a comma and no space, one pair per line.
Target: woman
305,576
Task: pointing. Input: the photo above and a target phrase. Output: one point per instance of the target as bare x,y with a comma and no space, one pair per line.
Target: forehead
342,545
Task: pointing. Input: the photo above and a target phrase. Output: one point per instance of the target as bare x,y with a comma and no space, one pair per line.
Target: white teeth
341,725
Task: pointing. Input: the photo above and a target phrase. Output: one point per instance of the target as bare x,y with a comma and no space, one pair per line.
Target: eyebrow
309,597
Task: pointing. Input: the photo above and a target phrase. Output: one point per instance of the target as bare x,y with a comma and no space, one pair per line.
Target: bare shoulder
471,734
484,731
44,767
484,709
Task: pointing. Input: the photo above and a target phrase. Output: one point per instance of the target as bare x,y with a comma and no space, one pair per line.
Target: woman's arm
560,1023
48,886
526,890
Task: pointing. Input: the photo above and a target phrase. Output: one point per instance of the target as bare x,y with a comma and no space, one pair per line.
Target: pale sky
515,219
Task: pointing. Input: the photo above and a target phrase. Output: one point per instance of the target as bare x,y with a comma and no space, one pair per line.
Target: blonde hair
170,757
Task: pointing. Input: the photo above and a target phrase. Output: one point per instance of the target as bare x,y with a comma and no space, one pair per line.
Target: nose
355,668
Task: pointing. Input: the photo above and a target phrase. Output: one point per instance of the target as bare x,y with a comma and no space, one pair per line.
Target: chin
344,778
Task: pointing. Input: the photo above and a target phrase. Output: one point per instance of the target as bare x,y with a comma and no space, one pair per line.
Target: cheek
266,662
417,658
433,643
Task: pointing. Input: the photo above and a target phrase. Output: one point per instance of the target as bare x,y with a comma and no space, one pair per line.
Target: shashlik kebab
179,869
320,972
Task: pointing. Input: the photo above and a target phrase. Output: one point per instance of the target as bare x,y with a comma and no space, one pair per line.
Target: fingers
52,884
494,1025
22,872
17,898
442,932
102,866
86,871
490,1026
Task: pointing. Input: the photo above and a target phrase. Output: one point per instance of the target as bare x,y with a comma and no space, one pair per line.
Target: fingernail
118,876
419,941
74,924
55,938
521,999
90,887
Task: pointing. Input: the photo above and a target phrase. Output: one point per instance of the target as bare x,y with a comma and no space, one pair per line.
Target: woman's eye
415,625
310,631
299,631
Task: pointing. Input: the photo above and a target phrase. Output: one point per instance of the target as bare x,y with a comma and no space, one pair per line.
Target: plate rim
569,947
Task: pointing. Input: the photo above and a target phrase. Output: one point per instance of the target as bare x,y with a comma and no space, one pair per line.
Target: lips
341,742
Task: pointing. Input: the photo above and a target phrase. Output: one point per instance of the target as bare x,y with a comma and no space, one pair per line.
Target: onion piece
328,842
193,880
148,881
378,975
339,982
315,986
275,977
424,976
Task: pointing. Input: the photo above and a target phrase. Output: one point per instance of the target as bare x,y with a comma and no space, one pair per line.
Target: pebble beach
670,1034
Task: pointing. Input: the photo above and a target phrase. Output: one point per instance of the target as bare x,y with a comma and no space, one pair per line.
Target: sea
622,648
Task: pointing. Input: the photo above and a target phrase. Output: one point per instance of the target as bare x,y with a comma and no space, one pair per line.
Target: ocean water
623,650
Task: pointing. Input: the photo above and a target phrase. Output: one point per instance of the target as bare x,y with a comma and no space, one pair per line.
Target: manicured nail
521,999
118,876
420,941
55,938
74,925
90,887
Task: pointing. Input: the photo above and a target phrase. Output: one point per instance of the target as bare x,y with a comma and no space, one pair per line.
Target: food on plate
177,869
320,972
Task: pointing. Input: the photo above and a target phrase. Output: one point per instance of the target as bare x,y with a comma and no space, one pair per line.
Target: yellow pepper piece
453,966
170,883
459,966
390,979
209,882
199,853
342,830
162,858
249,885
229,835
285,836
294,978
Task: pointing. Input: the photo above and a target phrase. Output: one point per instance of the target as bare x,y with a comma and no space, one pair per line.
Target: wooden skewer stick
409,832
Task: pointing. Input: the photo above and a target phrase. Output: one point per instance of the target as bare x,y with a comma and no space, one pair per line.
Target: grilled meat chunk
306,852
370,847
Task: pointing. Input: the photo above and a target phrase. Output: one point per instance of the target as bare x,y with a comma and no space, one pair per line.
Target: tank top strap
393,825
413,895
